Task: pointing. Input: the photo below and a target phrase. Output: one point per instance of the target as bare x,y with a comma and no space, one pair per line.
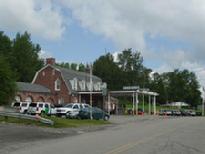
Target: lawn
58,122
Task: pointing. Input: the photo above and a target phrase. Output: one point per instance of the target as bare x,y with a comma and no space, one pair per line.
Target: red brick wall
47,78
36,97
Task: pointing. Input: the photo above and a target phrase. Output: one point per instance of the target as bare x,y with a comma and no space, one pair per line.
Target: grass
58,122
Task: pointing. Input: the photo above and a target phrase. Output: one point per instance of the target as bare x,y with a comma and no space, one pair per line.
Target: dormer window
82,85
75,84
57,85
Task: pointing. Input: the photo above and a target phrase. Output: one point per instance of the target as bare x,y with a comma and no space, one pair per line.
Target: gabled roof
25,86
69,74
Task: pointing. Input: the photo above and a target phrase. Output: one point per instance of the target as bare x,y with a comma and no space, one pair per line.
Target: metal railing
26,116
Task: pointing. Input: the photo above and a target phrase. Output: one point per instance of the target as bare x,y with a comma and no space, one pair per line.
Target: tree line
128,70
19,61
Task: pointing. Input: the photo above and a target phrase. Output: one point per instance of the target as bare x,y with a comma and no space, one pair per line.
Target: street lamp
91,89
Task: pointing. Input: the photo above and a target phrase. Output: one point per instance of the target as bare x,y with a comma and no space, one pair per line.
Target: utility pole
203,101
91,89
149,105
136,101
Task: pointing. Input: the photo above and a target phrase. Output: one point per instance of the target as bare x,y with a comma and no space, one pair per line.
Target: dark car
188,113
97,113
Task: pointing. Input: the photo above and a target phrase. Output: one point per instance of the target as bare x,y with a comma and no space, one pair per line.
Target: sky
169,34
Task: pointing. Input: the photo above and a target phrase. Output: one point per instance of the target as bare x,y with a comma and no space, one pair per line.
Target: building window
57,85
53,72
82,85
75,84
43,73
60,101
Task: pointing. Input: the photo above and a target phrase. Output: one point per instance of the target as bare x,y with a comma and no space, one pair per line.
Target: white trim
134,91
88,92
34,79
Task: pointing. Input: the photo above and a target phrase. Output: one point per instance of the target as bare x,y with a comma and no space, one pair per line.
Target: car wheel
67,115
106,118
78,117
42,113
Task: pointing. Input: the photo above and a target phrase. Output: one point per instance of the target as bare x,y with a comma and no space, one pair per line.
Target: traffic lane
186,139
124,137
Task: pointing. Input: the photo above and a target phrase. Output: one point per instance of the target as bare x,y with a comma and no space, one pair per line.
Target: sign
131,87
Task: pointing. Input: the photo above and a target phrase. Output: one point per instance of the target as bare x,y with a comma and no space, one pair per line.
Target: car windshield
32,105
69,105
24,104
16,104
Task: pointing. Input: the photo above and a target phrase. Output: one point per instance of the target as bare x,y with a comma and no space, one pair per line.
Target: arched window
57,85
29,99
17,98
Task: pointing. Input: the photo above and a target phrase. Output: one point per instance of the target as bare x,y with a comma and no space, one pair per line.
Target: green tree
131,64
105,68
81,67
130,61
5,46
73,66
26,60
7,80
177,86
64,65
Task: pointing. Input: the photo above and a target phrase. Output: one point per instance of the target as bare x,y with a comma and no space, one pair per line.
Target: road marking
130,145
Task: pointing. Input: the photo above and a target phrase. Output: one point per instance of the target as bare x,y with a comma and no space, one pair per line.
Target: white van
21,107
41,108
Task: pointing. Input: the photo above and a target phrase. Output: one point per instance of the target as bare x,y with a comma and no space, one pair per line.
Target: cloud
44,54
41,18
127,23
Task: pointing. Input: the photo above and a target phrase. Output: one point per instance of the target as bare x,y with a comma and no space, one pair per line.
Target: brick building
59,86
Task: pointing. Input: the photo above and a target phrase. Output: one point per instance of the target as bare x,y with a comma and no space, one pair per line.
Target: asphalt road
129,135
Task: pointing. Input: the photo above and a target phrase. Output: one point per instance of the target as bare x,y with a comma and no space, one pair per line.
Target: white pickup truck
71,110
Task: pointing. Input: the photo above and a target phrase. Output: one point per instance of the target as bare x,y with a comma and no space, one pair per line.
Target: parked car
21,107
140,111
188,112
97,113
165,112
71,110
192,113
176,113
41,108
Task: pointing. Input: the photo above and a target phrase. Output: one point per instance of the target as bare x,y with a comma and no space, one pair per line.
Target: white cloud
41,18
127,23
44,54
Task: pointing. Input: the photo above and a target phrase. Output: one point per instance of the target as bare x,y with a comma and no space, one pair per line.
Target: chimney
50,61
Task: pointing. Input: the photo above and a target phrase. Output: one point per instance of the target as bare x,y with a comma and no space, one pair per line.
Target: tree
5,45
105,68
26,61
73,66
177,86
64,65
130,61
7,80
81,67
134,73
